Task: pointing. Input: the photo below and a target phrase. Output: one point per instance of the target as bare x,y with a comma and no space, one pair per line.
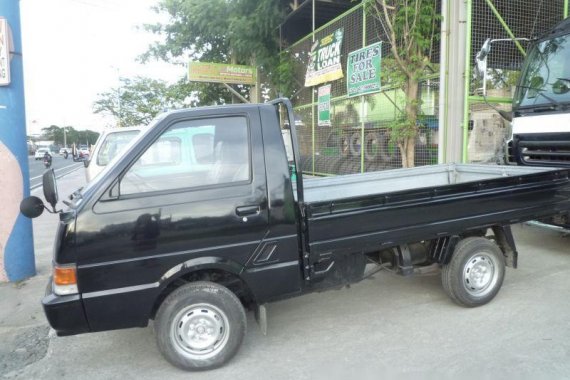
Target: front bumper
65,314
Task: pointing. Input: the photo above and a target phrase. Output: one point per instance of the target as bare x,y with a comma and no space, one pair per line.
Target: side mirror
86,162
559,87
485,50
32,207
50,188
481,61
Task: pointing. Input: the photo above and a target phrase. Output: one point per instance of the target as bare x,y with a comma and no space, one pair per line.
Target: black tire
330,165
321,164
475,272
377,147
333,140
371,146
342,169
355,145
308,165
200,308
355,167
344,145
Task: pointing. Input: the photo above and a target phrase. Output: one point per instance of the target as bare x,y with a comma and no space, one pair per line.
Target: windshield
134,141
114,145
546,75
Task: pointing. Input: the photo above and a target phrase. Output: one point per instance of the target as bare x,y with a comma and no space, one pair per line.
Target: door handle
247,210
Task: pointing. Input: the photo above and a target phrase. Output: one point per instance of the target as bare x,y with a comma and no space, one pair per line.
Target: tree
221,31
140,99
73,136
411,26
53,133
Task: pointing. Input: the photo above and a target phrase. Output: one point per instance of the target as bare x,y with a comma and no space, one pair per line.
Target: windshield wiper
540,91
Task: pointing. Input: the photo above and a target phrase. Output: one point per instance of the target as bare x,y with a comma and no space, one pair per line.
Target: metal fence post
467,75
362,100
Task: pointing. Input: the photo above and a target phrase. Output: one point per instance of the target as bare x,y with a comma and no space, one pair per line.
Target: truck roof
562,27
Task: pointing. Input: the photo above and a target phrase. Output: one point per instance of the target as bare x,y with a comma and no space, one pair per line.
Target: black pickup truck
203,217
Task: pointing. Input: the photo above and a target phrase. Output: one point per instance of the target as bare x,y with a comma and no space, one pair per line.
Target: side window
192,154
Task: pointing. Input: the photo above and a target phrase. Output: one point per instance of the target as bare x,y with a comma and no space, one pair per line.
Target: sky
75,49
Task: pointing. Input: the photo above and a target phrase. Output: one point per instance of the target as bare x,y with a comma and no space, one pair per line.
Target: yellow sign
221,73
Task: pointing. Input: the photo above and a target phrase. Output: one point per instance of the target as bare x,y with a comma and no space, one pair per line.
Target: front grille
510,158
544,150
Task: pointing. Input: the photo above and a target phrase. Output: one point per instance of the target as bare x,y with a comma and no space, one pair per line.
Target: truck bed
403,205
321,189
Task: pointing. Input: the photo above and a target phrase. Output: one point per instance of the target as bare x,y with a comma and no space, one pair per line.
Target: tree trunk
408,148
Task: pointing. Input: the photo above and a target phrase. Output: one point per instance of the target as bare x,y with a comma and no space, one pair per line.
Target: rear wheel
200,326
475,273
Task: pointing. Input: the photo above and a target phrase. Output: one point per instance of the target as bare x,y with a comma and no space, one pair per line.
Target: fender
192,265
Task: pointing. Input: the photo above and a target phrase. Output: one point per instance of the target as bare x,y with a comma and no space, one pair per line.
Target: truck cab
540,117
541,103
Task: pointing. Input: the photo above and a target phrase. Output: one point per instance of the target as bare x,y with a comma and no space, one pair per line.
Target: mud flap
261,318
506,242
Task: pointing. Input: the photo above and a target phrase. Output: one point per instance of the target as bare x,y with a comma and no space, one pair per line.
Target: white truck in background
540,116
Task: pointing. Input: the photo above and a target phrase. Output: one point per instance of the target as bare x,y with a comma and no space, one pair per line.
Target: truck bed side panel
400,217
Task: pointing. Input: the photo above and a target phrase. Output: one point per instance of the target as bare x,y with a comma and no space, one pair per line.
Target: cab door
197,193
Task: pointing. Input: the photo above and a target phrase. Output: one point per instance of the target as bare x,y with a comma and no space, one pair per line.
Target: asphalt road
60,164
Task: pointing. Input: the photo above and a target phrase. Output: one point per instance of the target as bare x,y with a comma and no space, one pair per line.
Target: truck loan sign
324,60
363,70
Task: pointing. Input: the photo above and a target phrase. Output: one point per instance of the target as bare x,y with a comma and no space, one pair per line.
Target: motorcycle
47,160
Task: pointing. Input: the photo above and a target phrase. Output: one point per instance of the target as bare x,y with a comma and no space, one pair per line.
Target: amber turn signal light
64,275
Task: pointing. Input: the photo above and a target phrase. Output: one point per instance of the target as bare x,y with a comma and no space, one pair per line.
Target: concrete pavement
386,325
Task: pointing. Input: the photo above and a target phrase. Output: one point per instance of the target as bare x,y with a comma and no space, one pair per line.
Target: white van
110,143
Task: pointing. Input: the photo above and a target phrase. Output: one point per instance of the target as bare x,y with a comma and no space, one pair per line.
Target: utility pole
452,79
16,237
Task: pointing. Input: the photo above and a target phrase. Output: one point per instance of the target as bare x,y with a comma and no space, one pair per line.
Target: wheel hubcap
200,331
480,274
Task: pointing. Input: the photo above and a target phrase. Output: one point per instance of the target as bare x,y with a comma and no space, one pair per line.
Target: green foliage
72,136
286,79
221,31
140,99
411,27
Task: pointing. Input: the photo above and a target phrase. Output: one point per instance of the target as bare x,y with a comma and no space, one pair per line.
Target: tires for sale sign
363,70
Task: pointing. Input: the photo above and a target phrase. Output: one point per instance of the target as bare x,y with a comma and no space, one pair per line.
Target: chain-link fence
501,19
359,136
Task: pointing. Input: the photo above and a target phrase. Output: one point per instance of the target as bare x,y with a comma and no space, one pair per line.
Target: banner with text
324,60
363,70
324,105
221,73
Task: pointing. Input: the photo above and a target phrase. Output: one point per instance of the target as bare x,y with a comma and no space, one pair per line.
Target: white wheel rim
200,331
480,274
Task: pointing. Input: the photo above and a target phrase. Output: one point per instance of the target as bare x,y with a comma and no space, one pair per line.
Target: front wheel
200,326
475,273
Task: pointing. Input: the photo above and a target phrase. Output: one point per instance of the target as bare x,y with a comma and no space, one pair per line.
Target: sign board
4,53
221,73
324,59
363,70
324,105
